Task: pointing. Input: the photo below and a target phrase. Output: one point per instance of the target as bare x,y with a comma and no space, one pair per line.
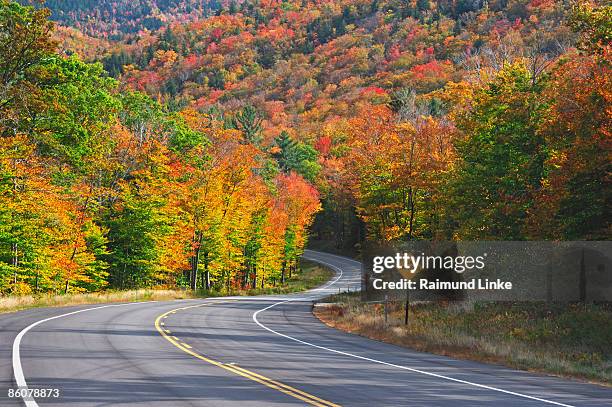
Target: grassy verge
563,340
310,276
17,303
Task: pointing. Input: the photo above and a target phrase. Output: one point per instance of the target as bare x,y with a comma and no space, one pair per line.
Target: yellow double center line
273,384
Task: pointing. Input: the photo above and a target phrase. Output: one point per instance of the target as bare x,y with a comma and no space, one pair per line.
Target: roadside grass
310,276
17,303
571,340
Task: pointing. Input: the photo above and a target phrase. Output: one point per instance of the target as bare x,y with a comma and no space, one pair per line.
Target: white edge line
18,370
386,363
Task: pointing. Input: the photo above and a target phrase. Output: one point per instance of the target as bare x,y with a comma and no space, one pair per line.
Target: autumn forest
202,144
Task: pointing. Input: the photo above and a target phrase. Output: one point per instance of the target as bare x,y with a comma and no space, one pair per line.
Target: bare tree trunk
195,261
283,271
263,274
15,251
206,272
245,276
410,228
407,307
14,247
254,284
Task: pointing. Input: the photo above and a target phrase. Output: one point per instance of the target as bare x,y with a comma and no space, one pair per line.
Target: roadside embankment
572,340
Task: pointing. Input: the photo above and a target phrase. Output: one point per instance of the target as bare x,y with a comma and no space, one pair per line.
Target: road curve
247,351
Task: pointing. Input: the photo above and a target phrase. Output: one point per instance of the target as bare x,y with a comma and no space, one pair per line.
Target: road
247,351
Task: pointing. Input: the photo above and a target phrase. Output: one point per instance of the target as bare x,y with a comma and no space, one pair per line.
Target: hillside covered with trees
102,187
116,19
445,119
198,152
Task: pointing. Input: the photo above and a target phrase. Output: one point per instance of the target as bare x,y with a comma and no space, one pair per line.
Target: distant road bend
247,351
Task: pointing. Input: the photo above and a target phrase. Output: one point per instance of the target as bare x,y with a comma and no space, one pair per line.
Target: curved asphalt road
248,351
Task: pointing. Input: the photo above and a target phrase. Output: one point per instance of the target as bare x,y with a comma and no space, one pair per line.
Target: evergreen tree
249,123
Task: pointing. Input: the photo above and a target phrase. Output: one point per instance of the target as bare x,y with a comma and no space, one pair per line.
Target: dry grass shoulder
310,276
563,340
17,303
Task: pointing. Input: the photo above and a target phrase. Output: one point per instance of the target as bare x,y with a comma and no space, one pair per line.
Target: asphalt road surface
247,351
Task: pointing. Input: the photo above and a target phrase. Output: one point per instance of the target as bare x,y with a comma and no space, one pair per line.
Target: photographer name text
425,284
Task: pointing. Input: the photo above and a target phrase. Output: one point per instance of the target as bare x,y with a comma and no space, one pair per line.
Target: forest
117,19
203,150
